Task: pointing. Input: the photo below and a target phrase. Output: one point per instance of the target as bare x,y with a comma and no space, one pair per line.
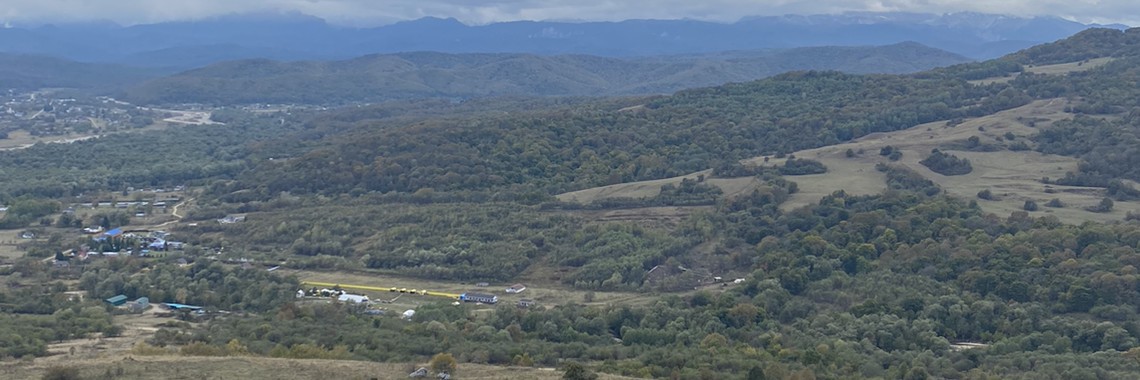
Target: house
139,305
28,235
525,303
516,288
408,314
118,300
479,297
352,298
738,281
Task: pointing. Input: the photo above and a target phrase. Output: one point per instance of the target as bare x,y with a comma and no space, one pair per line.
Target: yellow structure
377,289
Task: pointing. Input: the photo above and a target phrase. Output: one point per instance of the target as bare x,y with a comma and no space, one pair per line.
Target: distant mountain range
421,75
30,72
297,37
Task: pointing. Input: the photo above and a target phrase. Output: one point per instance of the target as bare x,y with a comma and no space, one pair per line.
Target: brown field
649,189
1013,177
541,285
259,368
8,241
1060,68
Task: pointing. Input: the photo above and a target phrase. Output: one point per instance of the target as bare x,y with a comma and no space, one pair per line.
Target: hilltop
424,74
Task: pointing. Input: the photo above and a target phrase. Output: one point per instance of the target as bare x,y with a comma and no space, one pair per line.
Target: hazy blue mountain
28,72
297,37
381,77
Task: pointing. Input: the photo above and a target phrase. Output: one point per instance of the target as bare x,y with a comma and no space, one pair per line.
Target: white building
352,298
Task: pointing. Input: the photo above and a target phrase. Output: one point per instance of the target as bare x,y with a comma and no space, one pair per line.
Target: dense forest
430,74
908,284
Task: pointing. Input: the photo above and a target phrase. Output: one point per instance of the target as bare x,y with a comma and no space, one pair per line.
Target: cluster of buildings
43,114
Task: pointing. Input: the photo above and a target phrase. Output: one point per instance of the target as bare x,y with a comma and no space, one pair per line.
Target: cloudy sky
376,12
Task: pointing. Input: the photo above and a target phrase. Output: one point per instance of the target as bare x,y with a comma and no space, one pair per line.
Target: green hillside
694,282
419,75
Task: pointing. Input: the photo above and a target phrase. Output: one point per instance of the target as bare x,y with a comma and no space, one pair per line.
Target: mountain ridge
378,77
299,37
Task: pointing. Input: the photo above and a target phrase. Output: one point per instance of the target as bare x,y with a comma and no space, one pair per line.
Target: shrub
947,164
1105,205
986,194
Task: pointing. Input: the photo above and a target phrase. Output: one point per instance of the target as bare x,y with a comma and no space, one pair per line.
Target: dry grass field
1060,68
1012,176
649,189
8,241
540,287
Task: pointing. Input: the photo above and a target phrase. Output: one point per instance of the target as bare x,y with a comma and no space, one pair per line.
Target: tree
986,194
576,371
756,373
1029,205
1105,205
443,362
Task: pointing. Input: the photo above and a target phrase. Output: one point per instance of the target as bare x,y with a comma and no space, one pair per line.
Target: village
44,114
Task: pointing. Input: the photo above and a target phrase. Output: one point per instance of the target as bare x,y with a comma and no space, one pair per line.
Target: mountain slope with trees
908,284
417,75
29,72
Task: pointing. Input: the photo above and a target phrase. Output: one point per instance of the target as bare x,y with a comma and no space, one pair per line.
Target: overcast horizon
365,13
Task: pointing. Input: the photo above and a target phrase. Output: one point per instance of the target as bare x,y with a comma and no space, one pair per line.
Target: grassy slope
1013,176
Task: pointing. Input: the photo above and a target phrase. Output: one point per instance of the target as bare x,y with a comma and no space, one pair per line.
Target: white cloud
372,12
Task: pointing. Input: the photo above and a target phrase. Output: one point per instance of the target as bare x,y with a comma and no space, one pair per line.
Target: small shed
526,303
118,300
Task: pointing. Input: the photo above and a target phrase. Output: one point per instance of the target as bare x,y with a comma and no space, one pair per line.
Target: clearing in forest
1060,68
1012,176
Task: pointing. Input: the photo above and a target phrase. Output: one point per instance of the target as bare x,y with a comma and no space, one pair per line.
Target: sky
379,12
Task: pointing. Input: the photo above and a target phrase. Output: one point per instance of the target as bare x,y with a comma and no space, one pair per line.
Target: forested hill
1092,43
419,75
607,142
29,72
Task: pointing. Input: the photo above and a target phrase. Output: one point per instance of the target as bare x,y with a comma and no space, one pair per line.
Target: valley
956,222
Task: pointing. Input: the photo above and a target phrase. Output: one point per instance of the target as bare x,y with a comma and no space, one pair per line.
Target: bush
443,362
947,164
61,373
1105,205
1030,205
986,194
802,167
576,371
1055,203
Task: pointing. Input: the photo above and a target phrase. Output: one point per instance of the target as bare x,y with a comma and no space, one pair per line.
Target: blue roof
114,232
178,306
